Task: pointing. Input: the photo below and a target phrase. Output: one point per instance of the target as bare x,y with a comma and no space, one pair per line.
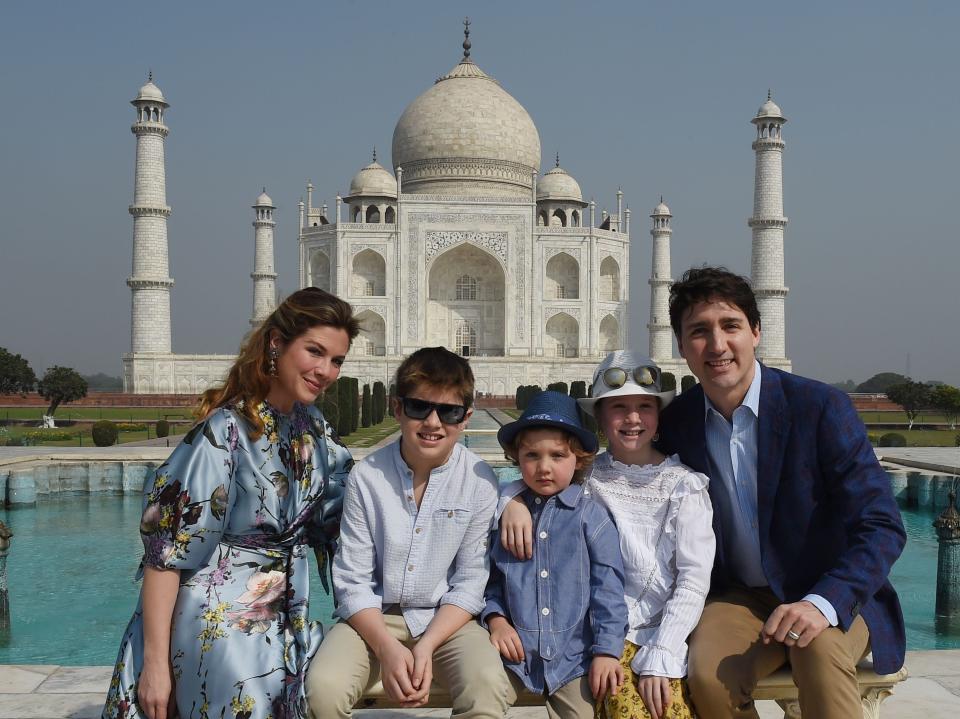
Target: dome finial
264,190
150,75
769,94
466,38
374,153
661,199
558,160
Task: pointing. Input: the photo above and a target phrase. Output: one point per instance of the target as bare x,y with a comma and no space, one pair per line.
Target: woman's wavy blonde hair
248,381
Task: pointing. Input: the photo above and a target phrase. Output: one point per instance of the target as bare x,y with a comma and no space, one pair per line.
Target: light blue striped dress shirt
732,449
393,553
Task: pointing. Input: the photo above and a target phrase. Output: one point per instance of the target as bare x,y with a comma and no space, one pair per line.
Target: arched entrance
372,338
465,305
563,336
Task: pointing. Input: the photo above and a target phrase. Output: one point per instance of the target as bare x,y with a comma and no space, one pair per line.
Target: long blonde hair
248,381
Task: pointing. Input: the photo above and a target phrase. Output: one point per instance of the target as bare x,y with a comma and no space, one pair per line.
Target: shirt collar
751,400
569,497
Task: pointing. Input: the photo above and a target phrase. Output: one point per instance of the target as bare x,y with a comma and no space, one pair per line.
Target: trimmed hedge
668,381
893,439
104,433
366,407
162,428
687,382
578,389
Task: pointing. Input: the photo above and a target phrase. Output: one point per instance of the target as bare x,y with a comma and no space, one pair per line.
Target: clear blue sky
655,97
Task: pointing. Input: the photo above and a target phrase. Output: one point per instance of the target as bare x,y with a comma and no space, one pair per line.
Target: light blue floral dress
235,517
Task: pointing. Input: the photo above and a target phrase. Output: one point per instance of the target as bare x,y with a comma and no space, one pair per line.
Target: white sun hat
638,375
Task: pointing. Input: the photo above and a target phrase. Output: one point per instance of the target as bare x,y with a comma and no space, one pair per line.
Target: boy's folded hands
606,676
505,638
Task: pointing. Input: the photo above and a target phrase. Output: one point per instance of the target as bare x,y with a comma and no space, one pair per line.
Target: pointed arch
610,334
373,214
563,336
559,218
609,280
320,270
369,275
562,280
373,332
390,216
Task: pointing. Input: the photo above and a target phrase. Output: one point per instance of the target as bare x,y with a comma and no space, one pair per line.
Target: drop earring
274,353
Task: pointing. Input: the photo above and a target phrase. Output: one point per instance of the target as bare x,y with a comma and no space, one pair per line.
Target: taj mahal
464,244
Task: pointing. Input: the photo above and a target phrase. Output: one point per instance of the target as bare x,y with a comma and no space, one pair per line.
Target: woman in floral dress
221,627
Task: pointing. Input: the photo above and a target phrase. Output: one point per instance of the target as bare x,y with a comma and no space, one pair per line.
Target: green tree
946,399
379,402
366,407
688,381
16,377
61,385
560,387
668,381
578,389
880,383
354,404
912,397
343,405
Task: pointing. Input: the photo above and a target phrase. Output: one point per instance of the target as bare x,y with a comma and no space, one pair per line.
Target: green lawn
118,414
924,417
369,436
921,437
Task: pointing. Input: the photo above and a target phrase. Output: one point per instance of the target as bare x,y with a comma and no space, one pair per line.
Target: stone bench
778,687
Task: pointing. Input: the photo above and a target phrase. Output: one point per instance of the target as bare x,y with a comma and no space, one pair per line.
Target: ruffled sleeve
187,503
665,653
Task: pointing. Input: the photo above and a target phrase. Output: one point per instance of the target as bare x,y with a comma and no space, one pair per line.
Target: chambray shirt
732,448
393,554
567,602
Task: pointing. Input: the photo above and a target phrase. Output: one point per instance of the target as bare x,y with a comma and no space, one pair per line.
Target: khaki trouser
728,658
571,701
467,665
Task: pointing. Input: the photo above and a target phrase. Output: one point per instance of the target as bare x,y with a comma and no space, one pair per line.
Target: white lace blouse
665,520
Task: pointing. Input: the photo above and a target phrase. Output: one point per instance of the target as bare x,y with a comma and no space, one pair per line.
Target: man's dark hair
710,284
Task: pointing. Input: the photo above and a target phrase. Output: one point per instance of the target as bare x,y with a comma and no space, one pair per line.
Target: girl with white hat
663,512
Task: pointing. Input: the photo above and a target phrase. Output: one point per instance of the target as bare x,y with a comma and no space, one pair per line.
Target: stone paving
54,692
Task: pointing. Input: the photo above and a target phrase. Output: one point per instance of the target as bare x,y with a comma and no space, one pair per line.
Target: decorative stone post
948,560
5,535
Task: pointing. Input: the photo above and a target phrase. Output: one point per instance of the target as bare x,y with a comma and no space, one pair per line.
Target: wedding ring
793,635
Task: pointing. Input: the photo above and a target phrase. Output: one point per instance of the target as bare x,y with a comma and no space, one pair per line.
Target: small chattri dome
661,209
770,109
374,180
150,93
559,185
263,200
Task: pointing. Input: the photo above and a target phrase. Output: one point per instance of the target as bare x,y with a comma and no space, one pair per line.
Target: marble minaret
661,341
767,225
150,281
264,277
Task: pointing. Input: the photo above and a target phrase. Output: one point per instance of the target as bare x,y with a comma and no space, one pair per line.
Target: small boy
412,564
560,620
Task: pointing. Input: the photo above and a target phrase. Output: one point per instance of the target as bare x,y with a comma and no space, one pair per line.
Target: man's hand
516,529
606,676
505,638
396,669
801,618
655,692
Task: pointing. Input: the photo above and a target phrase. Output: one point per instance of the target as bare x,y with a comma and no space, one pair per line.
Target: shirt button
449,514
537,500
409,567
545,611
544,573
543,535
418,530
409,497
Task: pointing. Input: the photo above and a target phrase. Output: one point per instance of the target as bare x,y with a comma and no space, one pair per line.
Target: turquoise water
73,560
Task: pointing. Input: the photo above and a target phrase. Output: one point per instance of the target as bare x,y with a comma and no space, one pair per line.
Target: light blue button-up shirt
393,553
732,449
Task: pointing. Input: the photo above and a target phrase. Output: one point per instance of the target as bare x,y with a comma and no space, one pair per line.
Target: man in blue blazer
807,527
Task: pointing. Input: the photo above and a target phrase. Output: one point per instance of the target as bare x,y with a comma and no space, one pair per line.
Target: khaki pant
728,658
467,665
571,701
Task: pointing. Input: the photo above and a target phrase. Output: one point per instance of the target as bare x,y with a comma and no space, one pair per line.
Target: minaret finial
558,159
769,94
150,75
466,38
374,153
264,189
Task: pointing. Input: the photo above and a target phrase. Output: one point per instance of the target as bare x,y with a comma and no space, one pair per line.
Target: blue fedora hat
550,409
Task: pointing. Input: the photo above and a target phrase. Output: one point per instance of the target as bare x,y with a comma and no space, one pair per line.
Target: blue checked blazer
828,521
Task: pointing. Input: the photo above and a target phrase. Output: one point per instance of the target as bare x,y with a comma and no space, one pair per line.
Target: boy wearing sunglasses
412,564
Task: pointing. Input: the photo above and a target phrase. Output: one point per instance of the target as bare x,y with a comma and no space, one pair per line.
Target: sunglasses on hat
421,409
645,376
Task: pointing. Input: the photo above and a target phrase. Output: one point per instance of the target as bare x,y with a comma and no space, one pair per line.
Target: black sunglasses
645,376
421,409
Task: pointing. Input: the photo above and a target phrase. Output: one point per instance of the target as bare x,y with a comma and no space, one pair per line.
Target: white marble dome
374,180
769,109
559,185
264,200
466,135
661,209
150,93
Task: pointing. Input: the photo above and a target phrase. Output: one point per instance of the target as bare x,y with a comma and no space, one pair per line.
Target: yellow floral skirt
627,703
